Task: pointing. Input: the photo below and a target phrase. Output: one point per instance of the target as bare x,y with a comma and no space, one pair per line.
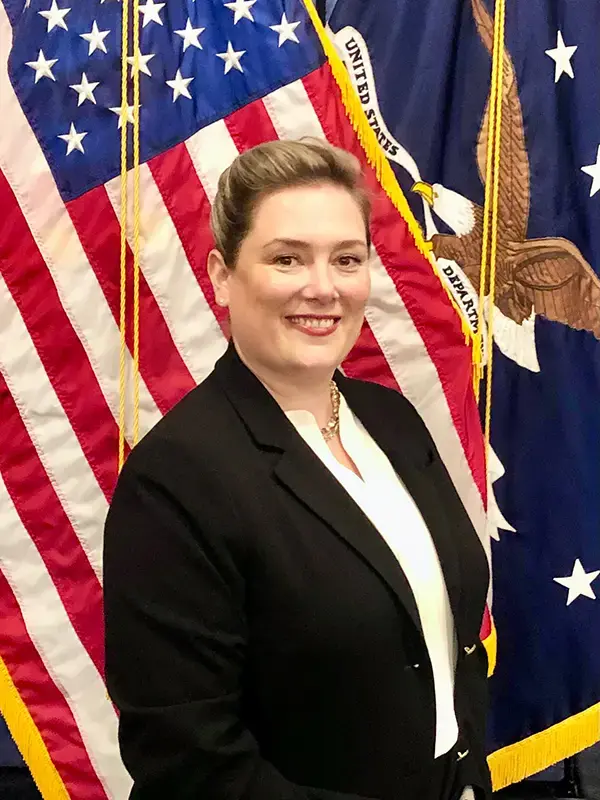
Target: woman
293,588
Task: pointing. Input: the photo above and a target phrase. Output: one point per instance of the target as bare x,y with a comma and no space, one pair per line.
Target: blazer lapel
415,466
303,473
306,477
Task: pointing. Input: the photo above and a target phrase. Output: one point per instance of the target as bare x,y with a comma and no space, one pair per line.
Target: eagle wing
513,200
553,277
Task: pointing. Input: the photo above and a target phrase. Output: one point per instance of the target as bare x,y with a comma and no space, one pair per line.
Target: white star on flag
594,171
190,35
142,63
55,16
241,10
73,139
151,12
179,85
96,39
42,67
231,58
579,583
286,30
85,89
561,55
125,113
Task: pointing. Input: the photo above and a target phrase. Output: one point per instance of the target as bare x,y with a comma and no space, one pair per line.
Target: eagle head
456,211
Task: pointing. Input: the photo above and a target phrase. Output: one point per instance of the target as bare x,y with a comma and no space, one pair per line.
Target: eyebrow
306,245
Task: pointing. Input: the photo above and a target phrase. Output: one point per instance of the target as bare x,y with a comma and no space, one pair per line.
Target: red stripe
48,708
161,365
189,208
59,348
418,285
486,624
187,203
250,125
57,543
367,362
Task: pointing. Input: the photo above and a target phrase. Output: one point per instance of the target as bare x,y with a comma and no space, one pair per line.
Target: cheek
358,294
274,292
265,293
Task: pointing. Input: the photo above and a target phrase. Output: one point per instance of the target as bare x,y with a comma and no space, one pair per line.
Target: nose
321,284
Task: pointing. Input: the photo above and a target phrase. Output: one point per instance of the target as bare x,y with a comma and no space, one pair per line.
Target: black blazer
262,641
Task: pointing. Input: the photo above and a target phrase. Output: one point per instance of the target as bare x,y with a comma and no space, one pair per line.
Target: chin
326,361
319,355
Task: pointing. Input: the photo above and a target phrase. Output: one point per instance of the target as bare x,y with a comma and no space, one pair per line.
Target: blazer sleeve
175,641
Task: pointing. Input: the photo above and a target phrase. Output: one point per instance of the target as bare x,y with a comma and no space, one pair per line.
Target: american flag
216,78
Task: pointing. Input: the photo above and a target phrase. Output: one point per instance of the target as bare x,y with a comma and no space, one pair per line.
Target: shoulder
390,418
372,391
389,403
193,433
186,472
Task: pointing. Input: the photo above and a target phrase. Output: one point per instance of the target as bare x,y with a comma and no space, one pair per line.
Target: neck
297,391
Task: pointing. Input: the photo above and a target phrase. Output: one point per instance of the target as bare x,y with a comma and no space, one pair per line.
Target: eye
286,261
349,262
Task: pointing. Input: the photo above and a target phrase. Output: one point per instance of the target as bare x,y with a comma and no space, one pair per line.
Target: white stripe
212,150
51,432
23,163
60,649
292,113
416,374
293,116
193,326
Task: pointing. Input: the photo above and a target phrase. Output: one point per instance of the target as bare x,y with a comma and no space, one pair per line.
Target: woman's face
298,292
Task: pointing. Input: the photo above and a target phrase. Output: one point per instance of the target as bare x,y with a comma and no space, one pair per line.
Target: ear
219,273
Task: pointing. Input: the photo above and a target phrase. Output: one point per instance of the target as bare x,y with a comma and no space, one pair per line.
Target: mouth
315,324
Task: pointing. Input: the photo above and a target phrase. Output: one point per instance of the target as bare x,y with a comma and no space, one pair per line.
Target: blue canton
65,68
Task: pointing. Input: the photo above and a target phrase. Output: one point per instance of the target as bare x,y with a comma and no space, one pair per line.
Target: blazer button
470,650
462,754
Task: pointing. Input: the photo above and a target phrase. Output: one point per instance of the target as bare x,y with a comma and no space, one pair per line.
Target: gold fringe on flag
28,739
534,754
491,648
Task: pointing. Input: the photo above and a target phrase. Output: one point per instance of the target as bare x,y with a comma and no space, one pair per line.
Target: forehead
311,213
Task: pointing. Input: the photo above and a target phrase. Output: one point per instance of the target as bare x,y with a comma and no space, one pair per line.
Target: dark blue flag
422,72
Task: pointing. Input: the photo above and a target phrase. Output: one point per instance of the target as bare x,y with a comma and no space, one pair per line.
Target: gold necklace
333,426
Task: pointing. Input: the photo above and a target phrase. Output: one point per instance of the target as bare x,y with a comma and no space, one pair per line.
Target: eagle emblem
547,276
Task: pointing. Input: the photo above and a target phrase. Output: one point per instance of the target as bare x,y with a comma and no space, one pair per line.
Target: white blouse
385,500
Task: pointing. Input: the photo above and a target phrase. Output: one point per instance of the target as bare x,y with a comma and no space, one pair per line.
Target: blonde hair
272,166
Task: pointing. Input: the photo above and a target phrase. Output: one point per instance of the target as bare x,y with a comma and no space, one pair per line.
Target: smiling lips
314,325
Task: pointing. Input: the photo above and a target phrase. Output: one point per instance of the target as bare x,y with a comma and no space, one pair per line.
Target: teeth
312,322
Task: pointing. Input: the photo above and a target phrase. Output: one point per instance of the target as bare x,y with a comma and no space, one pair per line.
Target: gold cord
123,219
123,223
